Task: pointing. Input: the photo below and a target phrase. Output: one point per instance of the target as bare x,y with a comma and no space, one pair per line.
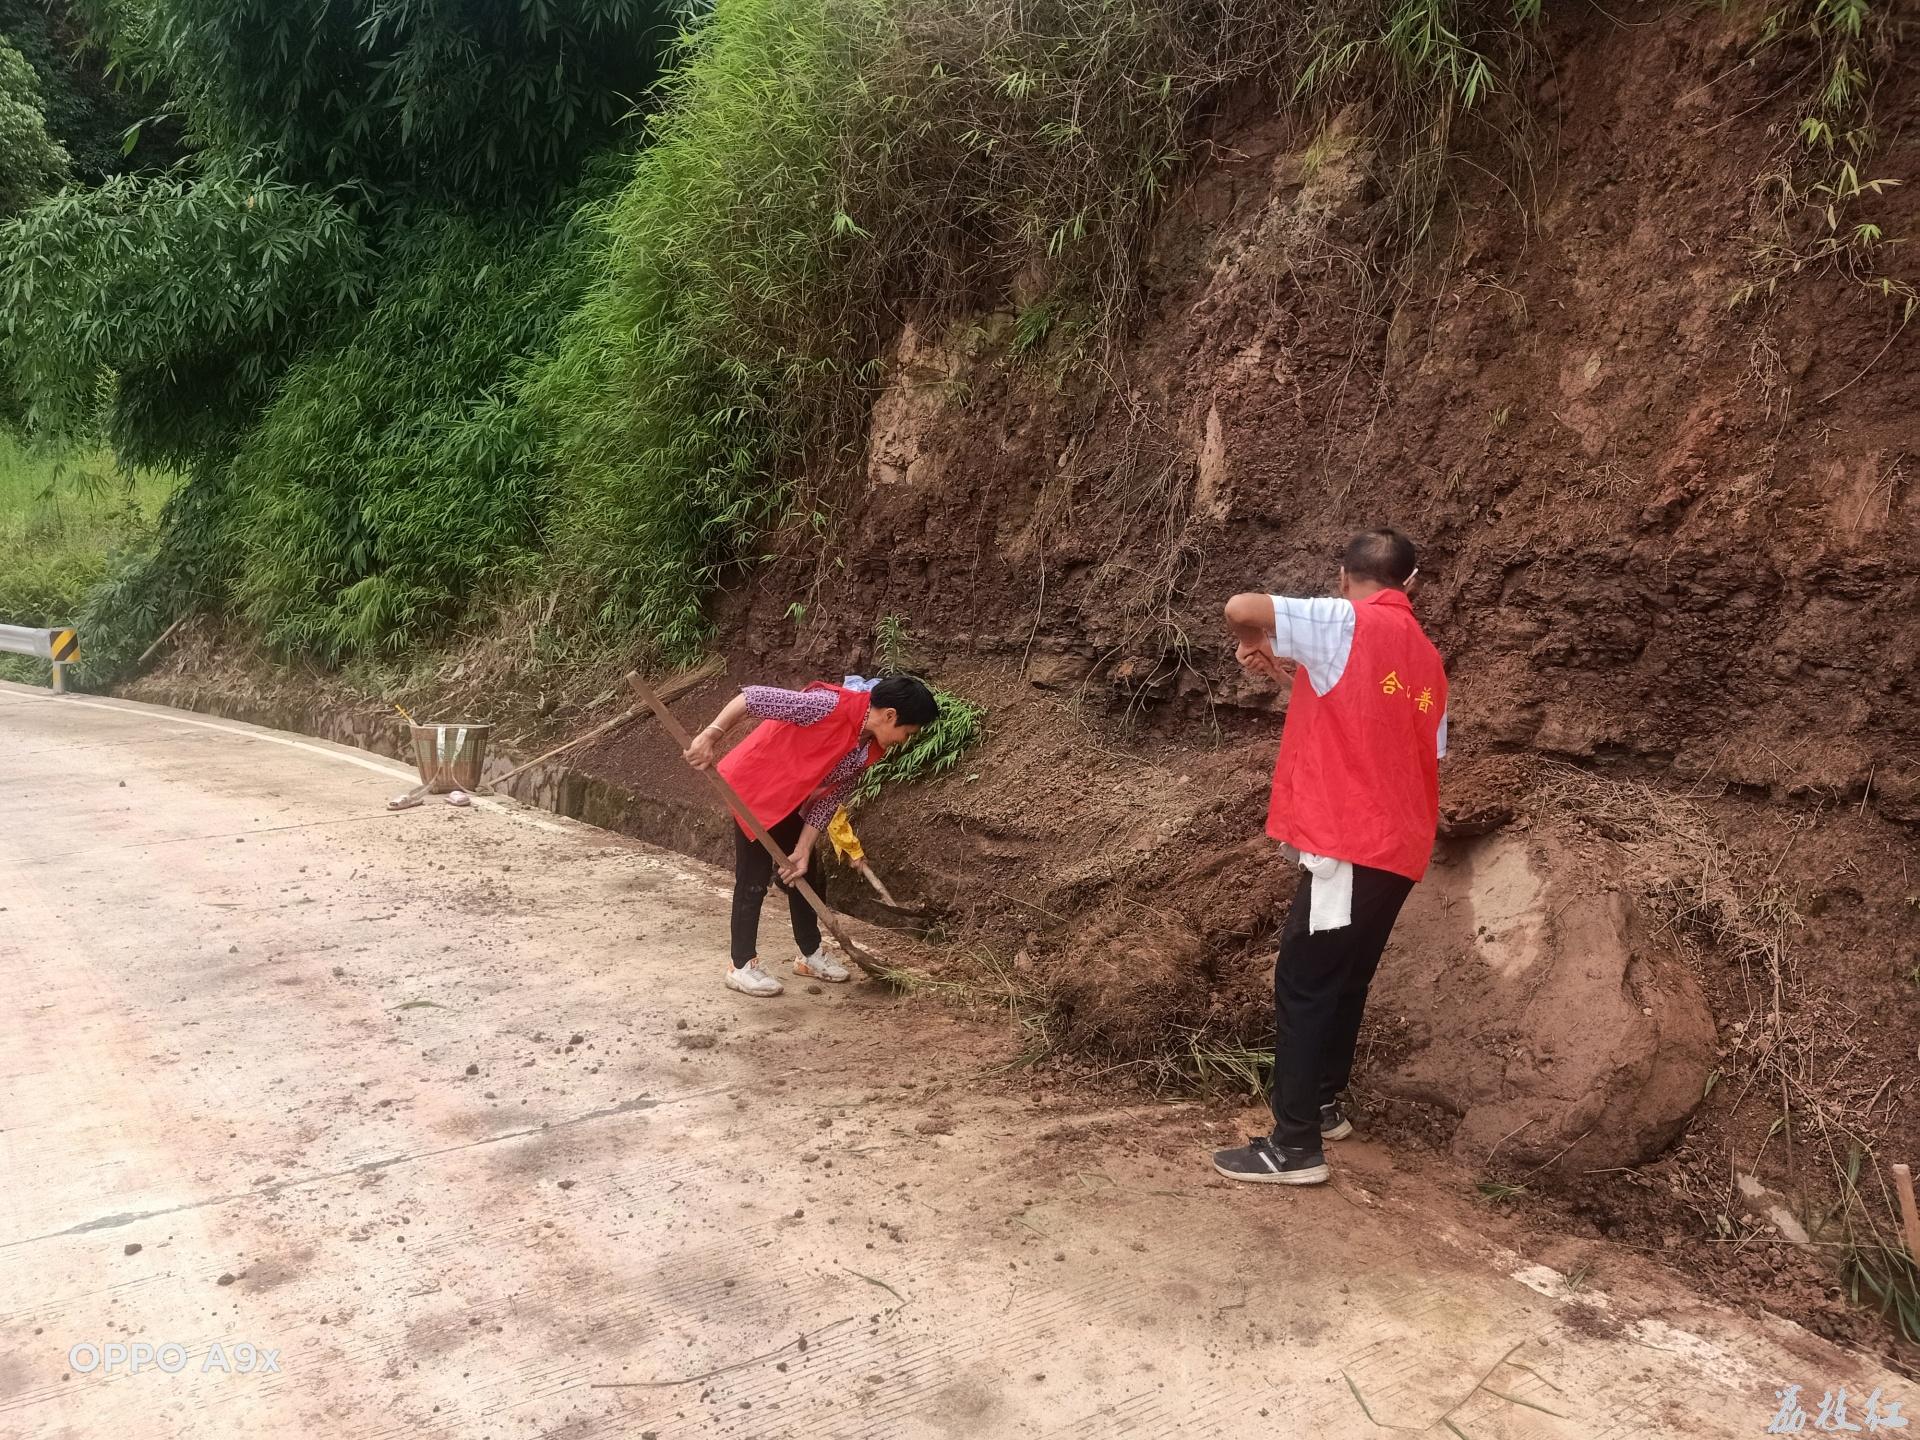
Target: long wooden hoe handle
1909,1212
594,734
738,806
672,690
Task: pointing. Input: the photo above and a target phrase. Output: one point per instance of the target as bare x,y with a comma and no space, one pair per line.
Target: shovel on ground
734,803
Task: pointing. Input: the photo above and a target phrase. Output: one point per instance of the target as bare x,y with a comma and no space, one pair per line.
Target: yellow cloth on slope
846,844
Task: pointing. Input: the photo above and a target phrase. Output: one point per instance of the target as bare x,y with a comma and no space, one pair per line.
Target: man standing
1356,794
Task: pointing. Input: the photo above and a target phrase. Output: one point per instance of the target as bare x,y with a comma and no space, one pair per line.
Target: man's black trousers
1319,993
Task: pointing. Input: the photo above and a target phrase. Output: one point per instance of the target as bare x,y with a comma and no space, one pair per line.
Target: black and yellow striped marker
65,648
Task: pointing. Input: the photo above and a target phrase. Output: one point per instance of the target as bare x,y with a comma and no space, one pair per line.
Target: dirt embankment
1673,933
1666,542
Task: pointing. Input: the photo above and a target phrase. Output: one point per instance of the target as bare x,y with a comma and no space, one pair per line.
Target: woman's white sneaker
750,979
822,966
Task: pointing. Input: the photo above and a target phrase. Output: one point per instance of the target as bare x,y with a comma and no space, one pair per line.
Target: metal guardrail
61,645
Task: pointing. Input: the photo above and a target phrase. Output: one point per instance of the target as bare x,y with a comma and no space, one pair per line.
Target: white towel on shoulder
1330,905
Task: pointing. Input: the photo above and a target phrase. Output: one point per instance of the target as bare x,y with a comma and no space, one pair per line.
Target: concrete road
348,1123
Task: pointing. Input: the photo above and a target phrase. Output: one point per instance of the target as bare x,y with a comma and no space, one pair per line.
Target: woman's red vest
779,765
1358,776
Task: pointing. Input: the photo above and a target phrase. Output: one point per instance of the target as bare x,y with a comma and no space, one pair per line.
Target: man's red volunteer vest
1358,776
779,765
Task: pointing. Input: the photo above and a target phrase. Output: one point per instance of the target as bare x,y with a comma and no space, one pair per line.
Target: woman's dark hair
908,697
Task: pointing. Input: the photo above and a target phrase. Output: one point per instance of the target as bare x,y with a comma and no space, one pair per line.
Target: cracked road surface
441,1124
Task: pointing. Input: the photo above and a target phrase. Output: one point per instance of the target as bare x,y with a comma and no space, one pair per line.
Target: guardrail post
60,645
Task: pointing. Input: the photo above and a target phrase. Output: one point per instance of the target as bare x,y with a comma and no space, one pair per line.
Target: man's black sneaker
1334,1125
1261,1162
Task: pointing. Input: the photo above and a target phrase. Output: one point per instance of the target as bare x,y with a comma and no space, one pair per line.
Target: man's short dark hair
1383,556
908,697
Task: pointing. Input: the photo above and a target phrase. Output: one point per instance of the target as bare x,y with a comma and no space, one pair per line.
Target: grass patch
1216,1069
65,515
981,980
1499,1190
1874,1264
1808,203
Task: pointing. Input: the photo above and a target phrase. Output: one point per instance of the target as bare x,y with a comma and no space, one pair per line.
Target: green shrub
396,474
389,411
821,170
933,752
172,302
663,395
184,568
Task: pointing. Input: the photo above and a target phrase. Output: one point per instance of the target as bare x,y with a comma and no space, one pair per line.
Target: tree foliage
90,108
182,298
31,161
185,297
457,103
